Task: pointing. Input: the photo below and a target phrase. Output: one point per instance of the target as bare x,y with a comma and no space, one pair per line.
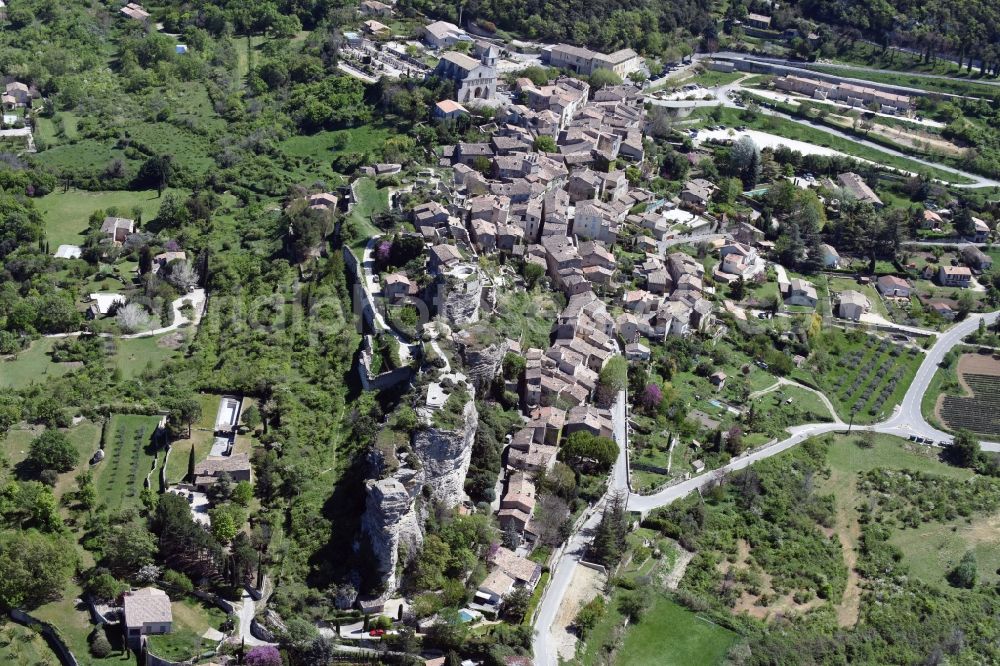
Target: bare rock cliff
394,507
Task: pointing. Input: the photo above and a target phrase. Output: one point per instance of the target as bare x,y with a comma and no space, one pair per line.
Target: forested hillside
644,25
969,30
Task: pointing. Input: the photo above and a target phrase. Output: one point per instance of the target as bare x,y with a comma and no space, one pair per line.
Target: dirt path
848,530
585,585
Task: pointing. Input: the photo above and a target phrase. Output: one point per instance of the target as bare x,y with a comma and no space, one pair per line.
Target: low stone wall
49,633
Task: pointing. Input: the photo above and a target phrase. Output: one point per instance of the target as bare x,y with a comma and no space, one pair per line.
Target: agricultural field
977,407
130,452
860,373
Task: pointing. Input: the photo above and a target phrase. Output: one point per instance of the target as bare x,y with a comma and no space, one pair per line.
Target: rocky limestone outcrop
460,293
445,456
390,521
394,506
482,354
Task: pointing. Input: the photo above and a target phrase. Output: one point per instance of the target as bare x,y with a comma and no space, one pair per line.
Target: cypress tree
191,464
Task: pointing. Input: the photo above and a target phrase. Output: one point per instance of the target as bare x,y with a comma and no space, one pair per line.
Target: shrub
100,646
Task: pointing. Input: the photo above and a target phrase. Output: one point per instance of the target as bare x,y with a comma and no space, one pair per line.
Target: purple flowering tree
383,251
651,396
263,655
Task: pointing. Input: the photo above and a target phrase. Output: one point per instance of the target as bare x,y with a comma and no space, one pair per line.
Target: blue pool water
466,616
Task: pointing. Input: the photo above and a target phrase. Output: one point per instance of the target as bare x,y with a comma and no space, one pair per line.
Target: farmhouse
982,230
954,276
800,292
117,228
758,21
893,286
147,611
376,8
856,186
210,470
135,11
442,34
976,258
17,94
449,109
852,305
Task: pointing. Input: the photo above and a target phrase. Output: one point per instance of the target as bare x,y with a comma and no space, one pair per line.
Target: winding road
905,421
722,97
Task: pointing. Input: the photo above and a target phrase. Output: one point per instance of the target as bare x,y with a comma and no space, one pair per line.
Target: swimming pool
466,615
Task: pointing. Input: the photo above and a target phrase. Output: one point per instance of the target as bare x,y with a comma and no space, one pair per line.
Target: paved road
246,612
722,97
906,420
562,573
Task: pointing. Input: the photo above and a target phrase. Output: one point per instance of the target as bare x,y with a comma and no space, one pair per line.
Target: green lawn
73,623
66,213
33,365
191,619
180,452
672,635
713,79
136,354
129,456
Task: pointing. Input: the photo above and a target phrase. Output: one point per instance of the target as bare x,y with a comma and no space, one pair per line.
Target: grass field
324,145
670,635
128,459
136,354
932,549
371,200
712,79
66,213
86,437
73,623
191,619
